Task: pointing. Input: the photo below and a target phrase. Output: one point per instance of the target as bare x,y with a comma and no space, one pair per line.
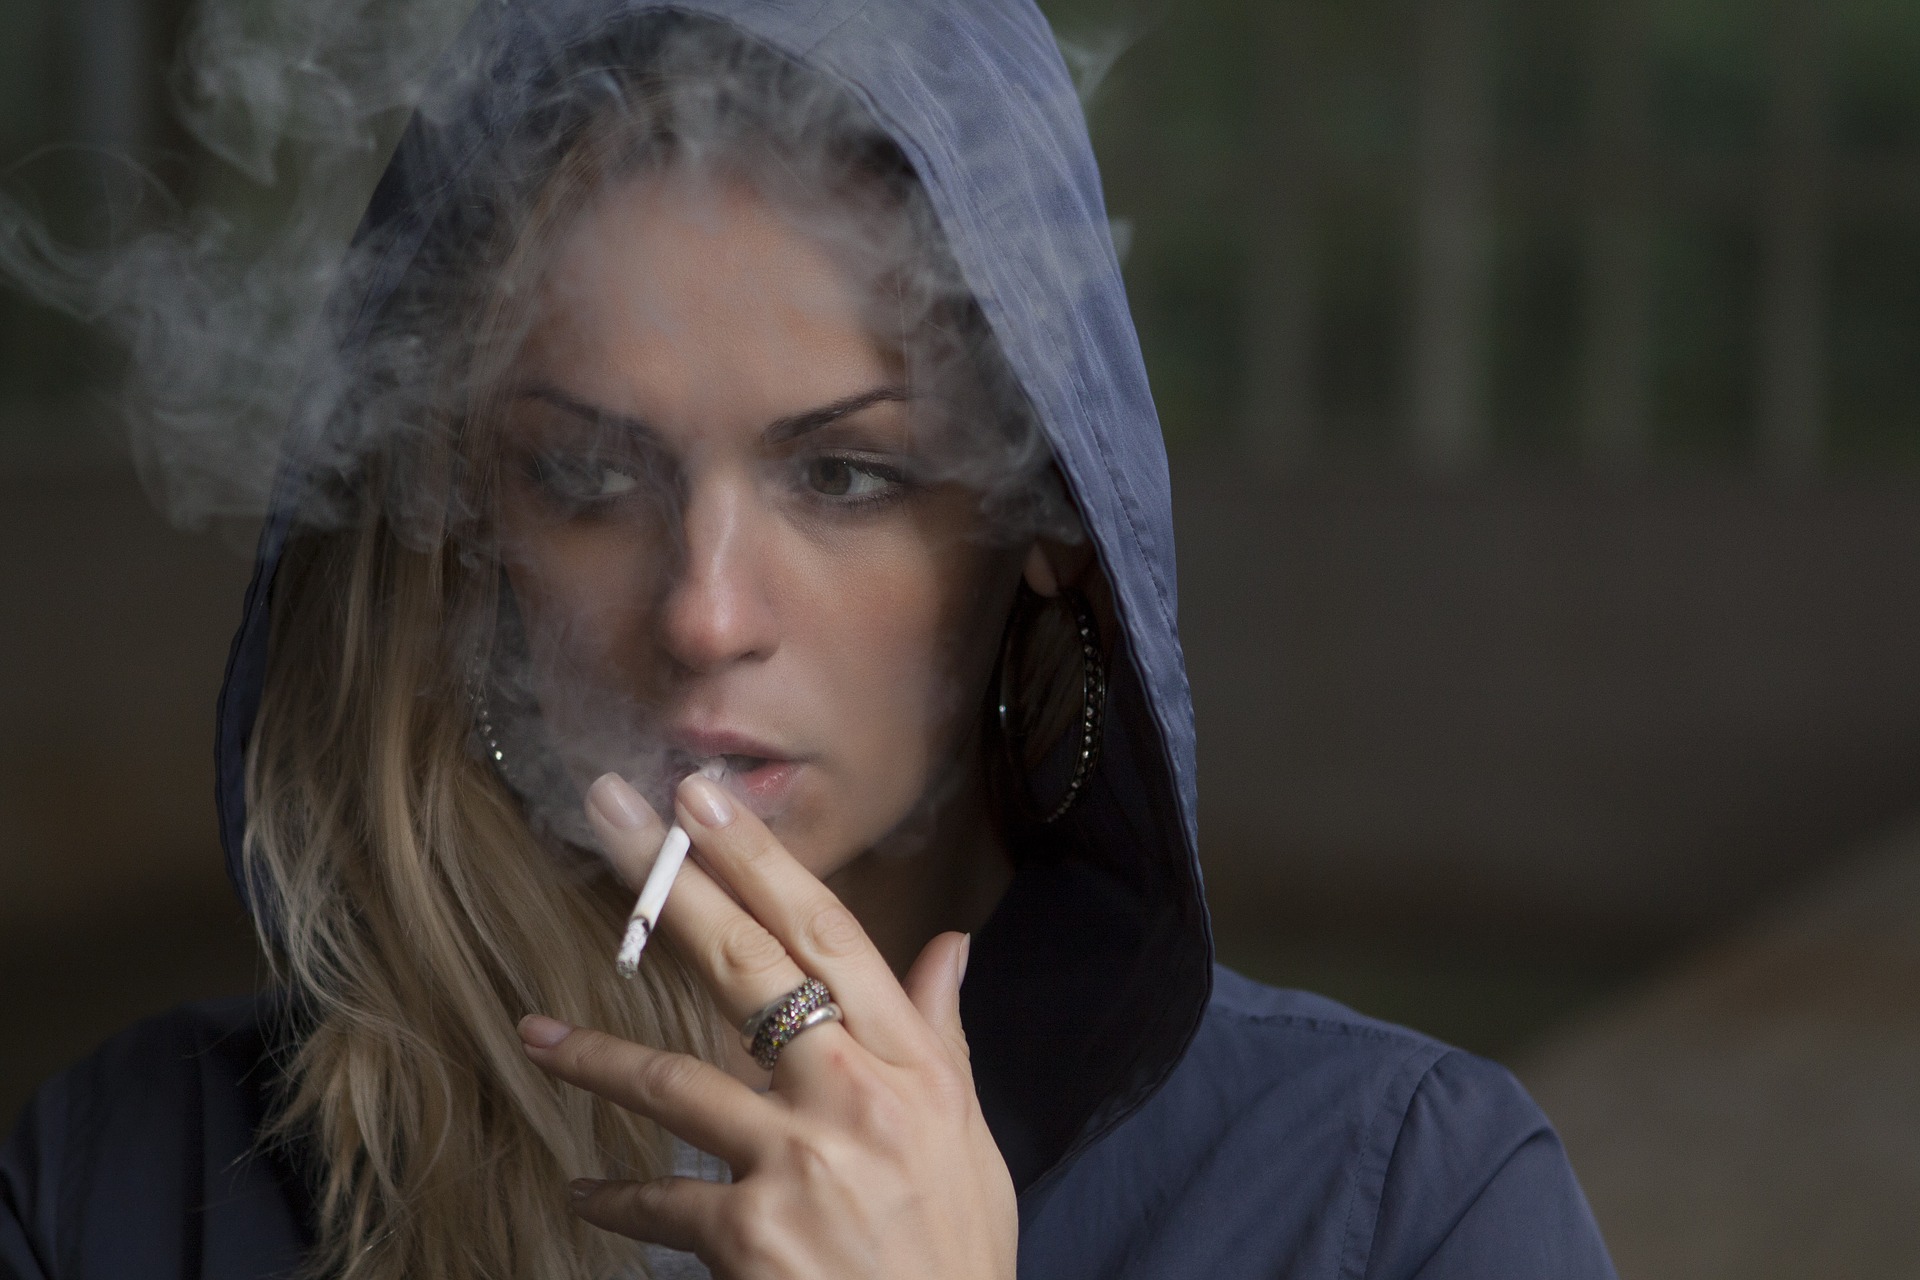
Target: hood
1090,979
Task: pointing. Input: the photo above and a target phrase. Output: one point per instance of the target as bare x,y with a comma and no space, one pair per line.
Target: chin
828,824
823,852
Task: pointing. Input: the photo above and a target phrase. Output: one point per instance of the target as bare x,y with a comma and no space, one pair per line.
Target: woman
746,385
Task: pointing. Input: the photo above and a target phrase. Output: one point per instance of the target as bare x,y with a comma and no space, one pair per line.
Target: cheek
891,667
584,596
910,653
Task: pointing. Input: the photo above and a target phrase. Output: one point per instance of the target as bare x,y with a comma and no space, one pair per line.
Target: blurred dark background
1540,378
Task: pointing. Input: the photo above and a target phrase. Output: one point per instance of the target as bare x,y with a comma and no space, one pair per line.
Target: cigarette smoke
1091,52
222,309
218,309
1090,56
243,331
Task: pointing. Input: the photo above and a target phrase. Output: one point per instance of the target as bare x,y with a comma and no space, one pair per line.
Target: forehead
683,276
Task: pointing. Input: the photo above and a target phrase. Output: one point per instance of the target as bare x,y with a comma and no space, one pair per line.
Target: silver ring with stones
773,1028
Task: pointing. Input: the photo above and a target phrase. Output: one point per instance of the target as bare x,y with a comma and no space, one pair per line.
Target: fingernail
617,802
581,1188
543,1032
966,954
707,801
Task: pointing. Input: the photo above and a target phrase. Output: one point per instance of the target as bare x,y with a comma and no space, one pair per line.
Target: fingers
704,1105
756,932
744,966
803,915
933,984
630,831
680,1213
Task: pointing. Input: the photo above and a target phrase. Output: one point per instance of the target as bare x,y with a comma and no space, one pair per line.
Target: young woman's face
718,517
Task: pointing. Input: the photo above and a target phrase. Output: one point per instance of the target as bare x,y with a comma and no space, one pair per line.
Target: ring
773,1028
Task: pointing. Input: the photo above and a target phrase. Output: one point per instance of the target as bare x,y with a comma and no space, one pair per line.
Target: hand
869,1156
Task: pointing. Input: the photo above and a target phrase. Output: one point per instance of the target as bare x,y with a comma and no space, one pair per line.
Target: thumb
933,984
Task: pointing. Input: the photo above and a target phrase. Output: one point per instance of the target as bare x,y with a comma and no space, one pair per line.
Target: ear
1052,565
1041,579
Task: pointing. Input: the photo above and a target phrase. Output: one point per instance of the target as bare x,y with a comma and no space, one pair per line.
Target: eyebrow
779,431
795,425
549,394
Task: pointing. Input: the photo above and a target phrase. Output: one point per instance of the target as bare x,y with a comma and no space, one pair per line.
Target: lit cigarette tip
635,941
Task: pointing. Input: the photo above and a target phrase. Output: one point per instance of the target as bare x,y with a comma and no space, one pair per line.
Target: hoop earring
482,706
1093,704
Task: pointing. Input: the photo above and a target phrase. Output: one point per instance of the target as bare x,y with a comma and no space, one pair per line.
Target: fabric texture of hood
1090,980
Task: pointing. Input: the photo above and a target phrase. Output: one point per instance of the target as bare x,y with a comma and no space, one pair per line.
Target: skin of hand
869,1155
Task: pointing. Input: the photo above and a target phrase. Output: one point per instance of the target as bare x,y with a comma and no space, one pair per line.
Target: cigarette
653,894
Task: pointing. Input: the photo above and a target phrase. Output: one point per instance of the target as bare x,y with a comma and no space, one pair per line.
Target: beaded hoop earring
1093,703
482,708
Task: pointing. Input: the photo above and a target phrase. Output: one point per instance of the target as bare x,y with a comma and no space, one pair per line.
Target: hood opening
1091,977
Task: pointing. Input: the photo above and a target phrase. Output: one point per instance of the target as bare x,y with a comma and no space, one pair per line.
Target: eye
574,480
849,480
614,483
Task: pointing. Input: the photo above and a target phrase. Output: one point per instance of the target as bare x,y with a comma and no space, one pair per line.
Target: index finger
744,966
694,1100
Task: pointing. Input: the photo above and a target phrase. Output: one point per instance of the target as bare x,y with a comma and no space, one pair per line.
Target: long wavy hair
407,903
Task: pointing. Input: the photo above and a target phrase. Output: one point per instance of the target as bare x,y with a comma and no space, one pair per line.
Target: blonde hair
415,917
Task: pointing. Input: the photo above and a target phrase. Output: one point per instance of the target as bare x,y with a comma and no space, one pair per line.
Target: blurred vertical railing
1279,417
1793,214
1630,187
1453,234
1619,239
113,72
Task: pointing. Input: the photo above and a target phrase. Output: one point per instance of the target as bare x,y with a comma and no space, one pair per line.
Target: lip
766,787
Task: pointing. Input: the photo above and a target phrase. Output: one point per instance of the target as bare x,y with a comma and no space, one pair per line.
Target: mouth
757,771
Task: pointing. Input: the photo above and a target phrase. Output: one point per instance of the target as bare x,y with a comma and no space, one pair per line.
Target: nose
718,610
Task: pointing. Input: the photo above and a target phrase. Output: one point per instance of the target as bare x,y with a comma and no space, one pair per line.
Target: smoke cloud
218,308
250,322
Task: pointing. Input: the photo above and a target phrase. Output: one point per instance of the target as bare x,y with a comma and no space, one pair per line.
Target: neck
945,874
